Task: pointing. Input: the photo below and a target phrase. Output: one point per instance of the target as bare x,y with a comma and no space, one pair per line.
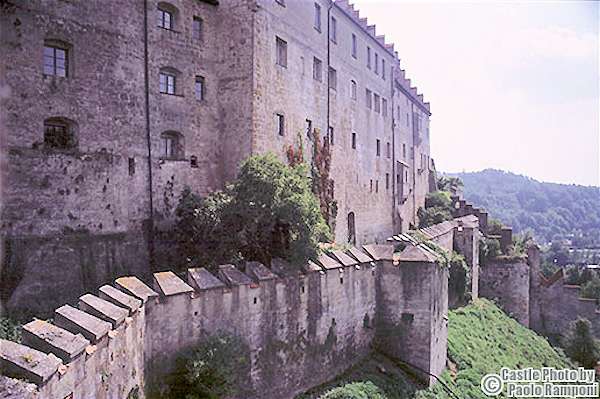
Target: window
353,89
383,69
388,150
317,69
368,93
199,88
354,141
404,151
56,60
194,161
281,49
333,30
384,107
376,64
354,46
280,120
331,138
377,102
378,147
58,134
165,16
407,122
371,181
387,181
412,153
369,57
172,143
197,28
376,186
167,82
332,78
351,229
131,166
309,129
318,17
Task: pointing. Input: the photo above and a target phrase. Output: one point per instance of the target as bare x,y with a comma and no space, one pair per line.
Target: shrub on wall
591,289
269,211
218,367
10,329
438,208
489,248
355,390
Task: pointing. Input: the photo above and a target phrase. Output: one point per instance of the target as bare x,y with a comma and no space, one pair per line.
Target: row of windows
167,18
60,134
380,104
168,83
376,186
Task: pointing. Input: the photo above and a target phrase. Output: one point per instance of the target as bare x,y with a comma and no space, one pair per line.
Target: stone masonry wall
302,330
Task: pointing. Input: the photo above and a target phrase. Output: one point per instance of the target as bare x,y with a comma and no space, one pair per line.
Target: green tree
218,367
580,344
268,211
591,289
355,390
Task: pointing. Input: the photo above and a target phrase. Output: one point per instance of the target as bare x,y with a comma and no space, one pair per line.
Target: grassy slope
481,339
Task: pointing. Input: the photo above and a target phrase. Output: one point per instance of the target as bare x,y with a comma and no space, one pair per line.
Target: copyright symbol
491,384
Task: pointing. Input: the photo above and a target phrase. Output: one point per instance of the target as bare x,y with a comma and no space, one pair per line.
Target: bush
459,278
431,216
591,289
489,248
218,367
269,211
10,329
580,344
438,199
355,390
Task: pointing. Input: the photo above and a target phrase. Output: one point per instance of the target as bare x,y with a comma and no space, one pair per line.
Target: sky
512,85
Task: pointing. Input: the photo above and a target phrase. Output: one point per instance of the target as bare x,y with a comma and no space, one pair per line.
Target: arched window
351,229
59,133
167,16
168,81
172,145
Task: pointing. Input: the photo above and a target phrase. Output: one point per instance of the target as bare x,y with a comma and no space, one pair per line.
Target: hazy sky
512,85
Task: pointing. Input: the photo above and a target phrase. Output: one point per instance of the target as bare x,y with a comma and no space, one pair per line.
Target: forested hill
548,209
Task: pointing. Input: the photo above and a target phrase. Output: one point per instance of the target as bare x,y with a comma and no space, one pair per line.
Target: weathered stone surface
49,338
113,295
379,251
202,279
169,284
80,322
343,258
23,362
232,276
312,267
11,388
135,287
328,262
359,255
259,272
105,310
414,253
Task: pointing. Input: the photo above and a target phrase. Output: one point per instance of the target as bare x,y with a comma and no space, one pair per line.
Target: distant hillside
481,339
550,210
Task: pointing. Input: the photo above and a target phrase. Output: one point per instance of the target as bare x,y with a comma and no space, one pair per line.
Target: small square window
280,124
281,50
194,161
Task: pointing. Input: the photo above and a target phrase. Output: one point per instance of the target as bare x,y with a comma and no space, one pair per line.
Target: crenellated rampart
302,327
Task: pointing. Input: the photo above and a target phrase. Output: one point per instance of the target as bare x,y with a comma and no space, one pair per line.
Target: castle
107,112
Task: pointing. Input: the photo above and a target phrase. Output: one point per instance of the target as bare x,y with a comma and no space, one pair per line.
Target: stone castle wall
302,329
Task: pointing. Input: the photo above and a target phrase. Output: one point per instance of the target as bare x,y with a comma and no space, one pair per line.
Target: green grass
481,339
